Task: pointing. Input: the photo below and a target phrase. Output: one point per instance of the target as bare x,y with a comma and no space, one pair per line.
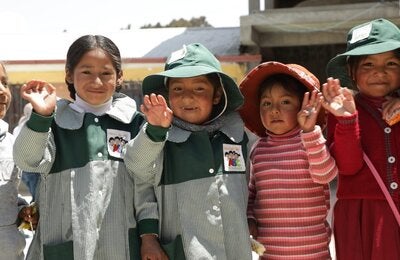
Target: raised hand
41,95
156,110
308,114
338,100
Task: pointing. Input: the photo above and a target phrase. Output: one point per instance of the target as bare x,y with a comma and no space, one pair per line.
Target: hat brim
337,66
250,111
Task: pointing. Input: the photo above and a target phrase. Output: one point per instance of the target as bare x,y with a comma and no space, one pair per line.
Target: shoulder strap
383,188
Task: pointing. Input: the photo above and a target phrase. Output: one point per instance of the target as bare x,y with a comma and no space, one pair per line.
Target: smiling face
5,94
378,75
94,77
192,99
278,109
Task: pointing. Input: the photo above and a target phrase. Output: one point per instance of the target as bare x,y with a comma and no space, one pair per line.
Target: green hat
374,37
191,61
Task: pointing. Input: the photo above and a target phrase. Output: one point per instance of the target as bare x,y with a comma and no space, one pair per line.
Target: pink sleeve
322,165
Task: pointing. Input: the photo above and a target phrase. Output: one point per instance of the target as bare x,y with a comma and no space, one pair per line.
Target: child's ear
68,77
120,79
217,96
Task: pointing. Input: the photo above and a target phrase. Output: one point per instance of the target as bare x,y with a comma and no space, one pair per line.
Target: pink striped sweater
289,194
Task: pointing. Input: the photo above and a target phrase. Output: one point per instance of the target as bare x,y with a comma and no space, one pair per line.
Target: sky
110,15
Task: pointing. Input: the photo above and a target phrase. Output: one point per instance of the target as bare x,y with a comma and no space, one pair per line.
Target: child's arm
346,134
147,216
322,166
143,155
34,147
251,220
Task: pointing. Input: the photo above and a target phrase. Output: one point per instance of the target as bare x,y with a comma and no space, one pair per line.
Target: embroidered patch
361,33
233,158
177,55
117,139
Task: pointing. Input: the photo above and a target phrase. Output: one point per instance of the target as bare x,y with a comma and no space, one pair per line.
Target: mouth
189,108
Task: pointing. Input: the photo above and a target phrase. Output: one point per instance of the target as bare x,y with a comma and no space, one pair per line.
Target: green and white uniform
86,196
201,199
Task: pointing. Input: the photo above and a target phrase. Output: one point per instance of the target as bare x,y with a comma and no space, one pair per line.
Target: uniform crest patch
233,158
116,140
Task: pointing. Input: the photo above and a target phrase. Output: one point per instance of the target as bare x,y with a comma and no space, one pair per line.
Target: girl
364,224
86,195
290,167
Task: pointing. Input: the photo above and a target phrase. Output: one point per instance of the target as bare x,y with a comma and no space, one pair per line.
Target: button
211,170
96,119
388,130
391,159
100,155
394,185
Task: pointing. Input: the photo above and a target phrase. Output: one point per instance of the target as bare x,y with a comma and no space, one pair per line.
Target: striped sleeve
323,168
34,148
252,195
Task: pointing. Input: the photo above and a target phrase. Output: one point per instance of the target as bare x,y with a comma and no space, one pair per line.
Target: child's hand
339,101
29,217
390,109
156,110
41,95
308,114
151,249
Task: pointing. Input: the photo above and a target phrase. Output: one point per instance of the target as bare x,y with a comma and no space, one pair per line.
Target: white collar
81,106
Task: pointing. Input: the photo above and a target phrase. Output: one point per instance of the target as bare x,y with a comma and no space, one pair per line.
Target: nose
187,95
380,70
97,80
274,109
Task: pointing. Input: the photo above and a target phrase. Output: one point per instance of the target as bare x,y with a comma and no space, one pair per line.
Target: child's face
5,94
278,109
378,75
192,99
94,77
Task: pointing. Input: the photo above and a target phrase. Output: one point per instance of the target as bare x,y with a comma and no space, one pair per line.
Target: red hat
250,111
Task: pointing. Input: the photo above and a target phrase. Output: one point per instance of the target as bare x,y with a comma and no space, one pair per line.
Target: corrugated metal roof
136,43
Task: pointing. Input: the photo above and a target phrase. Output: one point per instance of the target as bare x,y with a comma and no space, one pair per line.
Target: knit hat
191,61
373,37
250,111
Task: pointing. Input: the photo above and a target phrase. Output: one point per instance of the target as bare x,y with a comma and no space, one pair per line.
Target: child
200,197
364,225
86,195
12,241
290,165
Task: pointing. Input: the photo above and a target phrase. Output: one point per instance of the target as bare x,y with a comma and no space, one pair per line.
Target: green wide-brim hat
191,61
373,37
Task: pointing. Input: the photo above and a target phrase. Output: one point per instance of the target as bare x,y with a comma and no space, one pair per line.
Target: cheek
264,115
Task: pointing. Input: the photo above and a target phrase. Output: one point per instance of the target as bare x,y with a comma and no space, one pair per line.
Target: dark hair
87,43
289,83
354,62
